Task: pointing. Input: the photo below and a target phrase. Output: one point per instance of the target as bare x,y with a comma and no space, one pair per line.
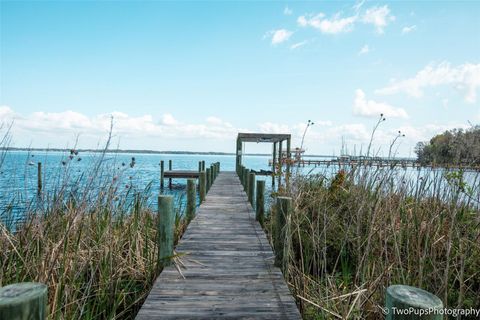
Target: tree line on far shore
455,146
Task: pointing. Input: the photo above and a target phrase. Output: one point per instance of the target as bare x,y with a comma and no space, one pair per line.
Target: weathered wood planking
181,174
229,271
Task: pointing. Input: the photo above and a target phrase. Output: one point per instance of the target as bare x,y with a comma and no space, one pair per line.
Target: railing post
209,177
251,188
260,202
166,222
24,301
212,175
39,178
284,206
203,185
191,199
170,169
245,180
162,173
400,298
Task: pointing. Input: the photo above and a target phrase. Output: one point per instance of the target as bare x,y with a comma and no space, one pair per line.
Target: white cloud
279,36
287,11
169,120
335,25
465,78
379,17
370,108
298,45
302,21
364,50
269,127
408,29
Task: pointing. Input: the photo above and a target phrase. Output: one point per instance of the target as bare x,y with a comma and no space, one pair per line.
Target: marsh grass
91,239
355,232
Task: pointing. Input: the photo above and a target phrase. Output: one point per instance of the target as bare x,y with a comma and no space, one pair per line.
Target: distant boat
31,163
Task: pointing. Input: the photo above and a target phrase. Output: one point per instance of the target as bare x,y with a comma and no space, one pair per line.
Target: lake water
65,173
18,174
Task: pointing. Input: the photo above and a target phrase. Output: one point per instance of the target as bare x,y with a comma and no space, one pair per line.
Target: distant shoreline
213,153
130,151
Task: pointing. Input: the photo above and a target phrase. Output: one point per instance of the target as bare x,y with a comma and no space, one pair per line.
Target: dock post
280,163
240,174
39,178
260,202
24,301
191,199
162,173
289,158
274,166
203,185
218,166
203,165
402,298
170,179
166,222
245,180
284,206
251,187
199,166
209,179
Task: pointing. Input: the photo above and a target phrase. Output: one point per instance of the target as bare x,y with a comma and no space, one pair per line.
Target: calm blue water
86,174
67,173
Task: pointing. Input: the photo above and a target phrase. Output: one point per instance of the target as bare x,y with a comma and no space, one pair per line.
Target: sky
191,75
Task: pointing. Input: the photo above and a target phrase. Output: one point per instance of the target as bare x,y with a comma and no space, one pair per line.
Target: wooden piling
202,185
39,178
24,301
401,298
274,169
166,222
251,188
212,176
283,208
280,163
260,202
170,169
191,199
203,165
199,166
245,180
162,173
209,179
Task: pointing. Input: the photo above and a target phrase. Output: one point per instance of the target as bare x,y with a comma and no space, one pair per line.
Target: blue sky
190,75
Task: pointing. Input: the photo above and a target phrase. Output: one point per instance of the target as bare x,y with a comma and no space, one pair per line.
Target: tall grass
354,233
92,239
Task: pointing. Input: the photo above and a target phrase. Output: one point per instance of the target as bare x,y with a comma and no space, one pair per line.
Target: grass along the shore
353,235
92,242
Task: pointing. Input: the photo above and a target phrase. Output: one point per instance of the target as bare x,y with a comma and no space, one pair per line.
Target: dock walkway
228,266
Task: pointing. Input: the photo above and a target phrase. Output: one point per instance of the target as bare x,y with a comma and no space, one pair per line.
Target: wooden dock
228,270
181,174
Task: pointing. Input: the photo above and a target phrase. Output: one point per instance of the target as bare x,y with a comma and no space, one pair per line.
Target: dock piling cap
414,297
19,292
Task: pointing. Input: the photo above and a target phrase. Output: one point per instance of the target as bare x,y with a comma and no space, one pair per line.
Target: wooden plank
181,174
227,266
